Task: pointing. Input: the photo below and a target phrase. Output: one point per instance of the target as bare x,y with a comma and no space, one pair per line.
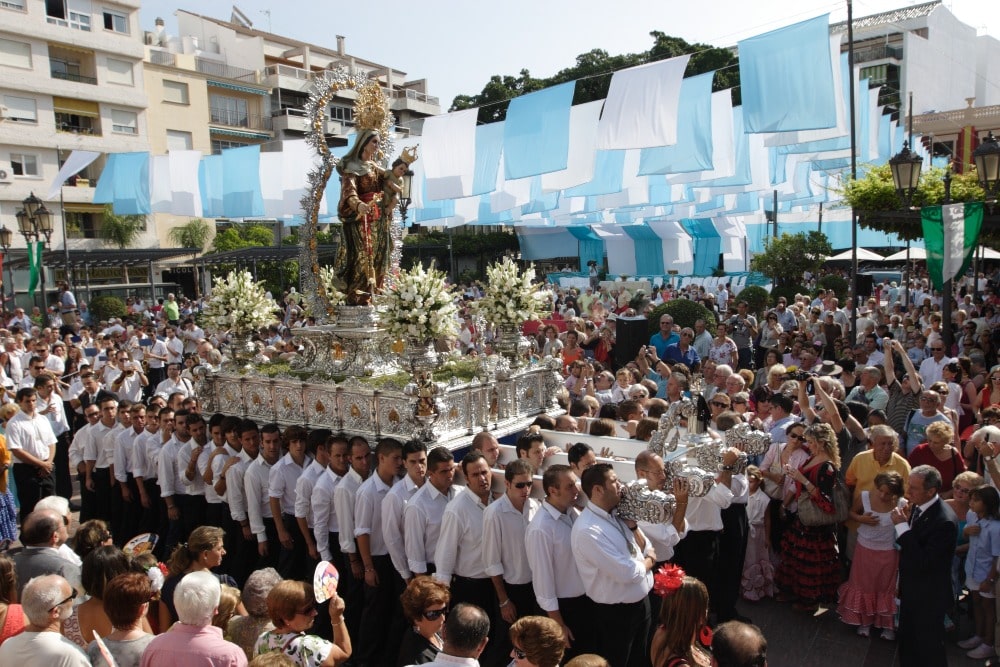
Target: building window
120,72
218,145
20,109
24,165
229,110
15,54
175,92
344,114
80,225
178,140
72,13
115,21
12,4
124,122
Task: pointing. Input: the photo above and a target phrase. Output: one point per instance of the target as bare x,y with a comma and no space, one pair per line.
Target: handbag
810,514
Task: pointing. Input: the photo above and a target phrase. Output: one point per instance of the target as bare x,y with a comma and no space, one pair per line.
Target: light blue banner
536,132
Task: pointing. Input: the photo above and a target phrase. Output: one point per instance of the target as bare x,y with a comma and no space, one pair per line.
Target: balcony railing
881,52
76,129
287,70
233,118
224,71
415,95
79,78
164,58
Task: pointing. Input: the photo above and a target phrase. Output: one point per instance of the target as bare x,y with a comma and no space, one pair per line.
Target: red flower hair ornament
667,579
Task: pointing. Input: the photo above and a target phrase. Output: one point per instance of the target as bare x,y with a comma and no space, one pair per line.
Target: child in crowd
758,570
983,529
869,596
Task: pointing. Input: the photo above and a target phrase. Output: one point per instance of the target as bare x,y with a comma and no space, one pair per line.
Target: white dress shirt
255,482
368,513
57,418
282,479
460,544
344,497
236,494
393,506
100,448
504,553
422,524
323,512
166,469
548,543
663,537
146,455
31,434
705,512
303,492
78,445
124,453
196,486
218,463
608,558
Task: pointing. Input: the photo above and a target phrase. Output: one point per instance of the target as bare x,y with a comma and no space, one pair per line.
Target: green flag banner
35,249
950,236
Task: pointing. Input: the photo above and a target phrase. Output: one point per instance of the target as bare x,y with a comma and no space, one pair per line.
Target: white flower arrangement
421,305
511,299
239,305
333,295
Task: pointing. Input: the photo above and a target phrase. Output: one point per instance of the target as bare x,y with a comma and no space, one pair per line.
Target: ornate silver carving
640,503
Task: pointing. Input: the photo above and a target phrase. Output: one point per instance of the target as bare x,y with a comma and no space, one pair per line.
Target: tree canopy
121,230
593,71
242,236
788,256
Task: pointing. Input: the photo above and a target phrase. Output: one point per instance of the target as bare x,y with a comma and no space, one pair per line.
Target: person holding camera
130,379
743,330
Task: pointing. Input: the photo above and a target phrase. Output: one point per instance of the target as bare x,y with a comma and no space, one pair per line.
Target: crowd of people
881,426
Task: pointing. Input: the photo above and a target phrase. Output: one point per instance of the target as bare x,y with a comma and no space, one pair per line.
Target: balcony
164,58
296,120
415,101
77,129
287,77
234,118
224,71
868,54
69,76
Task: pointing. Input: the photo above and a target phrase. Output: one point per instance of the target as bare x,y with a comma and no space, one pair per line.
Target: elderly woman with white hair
986,440
244,630
194,640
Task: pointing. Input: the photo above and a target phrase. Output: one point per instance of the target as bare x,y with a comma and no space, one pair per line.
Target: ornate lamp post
34,221
987,159
6,238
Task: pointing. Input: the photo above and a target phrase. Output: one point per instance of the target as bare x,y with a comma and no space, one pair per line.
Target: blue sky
458,44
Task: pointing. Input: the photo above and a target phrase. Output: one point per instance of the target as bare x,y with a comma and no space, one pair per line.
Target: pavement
796,639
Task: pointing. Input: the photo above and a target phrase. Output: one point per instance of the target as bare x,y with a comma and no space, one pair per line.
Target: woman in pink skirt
758,570
868,597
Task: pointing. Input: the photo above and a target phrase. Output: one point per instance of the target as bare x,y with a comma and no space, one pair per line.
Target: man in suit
926,531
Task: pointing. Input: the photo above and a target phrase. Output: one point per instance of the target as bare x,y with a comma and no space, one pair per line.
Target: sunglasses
72,596
937,349
521,485
519,654
796,436
720,404
434,614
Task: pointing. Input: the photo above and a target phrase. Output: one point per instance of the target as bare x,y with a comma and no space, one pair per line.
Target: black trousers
382,617
88,499
132,511
31,487
921,635
192,514
273,545
522,596
698,554
732,553
350,588
150,520
103,494
292,562
623,631
64,477
578,614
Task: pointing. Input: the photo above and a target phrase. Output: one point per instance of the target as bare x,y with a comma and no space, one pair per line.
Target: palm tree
193,234
121,230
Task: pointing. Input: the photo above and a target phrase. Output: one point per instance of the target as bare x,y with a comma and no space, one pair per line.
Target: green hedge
756,297
684,312
105,307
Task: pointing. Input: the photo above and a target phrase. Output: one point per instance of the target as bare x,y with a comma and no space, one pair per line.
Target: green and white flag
950,236
35,249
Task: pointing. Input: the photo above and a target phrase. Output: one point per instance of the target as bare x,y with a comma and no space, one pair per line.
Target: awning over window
76,107
236,87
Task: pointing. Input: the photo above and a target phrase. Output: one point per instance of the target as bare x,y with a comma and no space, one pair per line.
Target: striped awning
237,87
238,133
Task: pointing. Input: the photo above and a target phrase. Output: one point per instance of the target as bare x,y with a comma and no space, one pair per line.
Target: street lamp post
34,221
906,166
6,237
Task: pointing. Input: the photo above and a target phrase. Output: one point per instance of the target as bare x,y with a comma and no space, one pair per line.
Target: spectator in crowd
46,600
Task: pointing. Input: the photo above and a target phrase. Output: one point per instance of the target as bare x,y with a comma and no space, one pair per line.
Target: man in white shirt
465,635
344,497
282,479
504,555
32,445
318,450
92,414
615,561
168,477
236,497
174,384
423,514
47,601
931,368
459,553
145,460
50,404
99,454
124,458
662,536
394,505
256,484
156,356
382,583
555,579
129,380
191,461
175,346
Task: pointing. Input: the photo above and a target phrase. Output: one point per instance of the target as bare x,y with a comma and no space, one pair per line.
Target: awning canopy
18,259
260,254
